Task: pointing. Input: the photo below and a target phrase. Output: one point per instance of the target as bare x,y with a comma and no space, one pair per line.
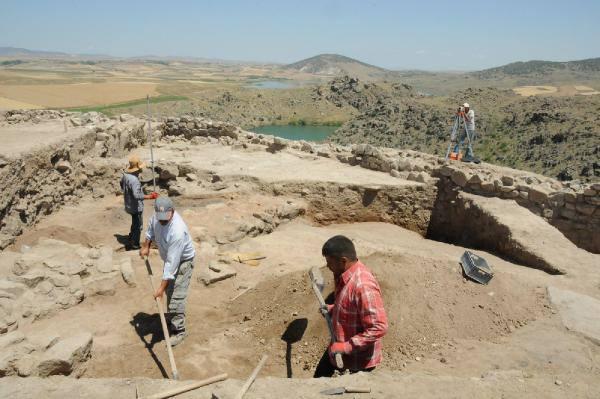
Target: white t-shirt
173,241
470,119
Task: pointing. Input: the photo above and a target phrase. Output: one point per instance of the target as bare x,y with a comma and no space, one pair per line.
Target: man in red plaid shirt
358,316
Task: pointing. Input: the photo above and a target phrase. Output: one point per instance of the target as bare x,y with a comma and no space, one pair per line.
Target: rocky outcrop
44,354
190,127
55,275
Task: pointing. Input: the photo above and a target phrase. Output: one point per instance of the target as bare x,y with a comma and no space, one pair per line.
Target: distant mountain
23,52
337,65
536,67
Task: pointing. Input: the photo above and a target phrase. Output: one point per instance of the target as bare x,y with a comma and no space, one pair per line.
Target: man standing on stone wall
170,233
358,317
134,200
469,120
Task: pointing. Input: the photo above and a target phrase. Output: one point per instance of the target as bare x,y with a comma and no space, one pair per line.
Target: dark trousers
136,229
326,369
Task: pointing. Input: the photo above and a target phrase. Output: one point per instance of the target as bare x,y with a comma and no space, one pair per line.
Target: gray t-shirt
132,193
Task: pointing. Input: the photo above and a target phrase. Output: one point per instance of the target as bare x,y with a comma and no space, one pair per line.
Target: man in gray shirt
170,233
134,200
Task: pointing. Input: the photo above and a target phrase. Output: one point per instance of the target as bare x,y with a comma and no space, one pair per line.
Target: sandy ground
79,94
8,104
268,167
535,90
440,325
448,336
41,134
555,90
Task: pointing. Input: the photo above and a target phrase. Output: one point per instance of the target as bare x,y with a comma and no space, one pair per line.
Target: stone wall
572,207
41,181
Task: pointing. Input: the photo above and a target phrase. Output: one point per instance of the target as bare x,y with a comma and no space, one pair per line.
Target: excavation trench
278,315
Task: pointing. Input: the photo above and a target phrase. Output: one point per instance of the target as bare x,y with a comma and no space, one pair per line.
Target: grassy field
111,109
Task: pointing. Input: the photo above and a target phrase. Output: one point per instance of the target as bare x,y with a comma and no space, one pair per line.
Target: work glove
345,348
153,195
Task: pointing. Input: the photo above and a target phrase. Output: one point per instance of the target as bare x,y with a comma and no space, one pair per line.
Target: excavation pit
411,234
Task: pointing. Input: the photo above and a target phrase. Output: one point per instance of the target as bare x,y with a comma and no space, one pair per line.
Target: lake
315,133
272,84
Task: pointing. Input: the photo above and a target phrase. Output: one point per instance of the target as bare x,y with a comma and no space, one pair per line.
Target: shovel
341,390
163,322
317,284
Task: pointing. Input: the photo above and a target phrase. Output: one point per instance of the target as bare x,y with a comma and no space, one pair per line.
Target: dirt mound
61,233
430,306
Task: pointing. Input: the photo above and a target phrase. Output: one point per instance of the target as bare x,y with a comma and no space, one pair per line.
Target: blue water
272,84
315,133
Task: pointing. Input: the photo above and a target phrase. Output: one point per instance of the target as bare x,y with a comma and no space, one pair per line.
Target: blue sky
431,35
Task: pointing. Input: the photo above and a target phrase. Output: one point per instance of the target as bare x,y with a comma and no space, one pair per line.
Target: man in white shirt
470,124
170,233
469,121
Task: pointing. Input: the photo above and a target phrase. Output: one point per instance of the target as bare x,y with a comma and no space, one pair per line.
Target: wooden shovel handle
163,323
338,361
357,389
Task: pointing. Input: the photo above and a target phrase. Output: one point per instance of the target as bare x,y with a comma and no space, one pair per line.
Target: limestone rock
538,194
127,272
145,176
169,172
475,179
8,359
191,177
25,262
12,287
100,285
104,264
66,357
31,278
63,166
176,190
25,366
307,147
459,178
6,240
446,170
10,339
422,177
507,180
58,279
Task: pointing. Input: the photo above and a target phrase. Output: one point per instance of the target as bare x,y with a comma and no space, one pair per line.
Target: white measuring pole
150,138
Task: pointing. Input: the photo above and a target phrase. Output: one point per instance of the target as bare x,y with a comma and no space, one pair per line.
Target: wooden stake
195,385
252,377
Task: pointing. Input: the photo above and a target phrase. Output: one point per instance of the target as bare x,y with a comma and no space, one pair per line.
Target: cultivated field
567,90
76,94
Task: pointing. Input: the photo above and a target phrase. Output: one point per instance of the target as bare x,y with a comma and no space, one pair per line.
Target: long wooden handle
196,385
357,389
252,377
163,322
338,357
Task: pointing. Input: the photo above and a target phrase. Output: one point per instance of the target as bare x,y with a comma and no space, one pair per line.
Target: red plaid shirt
358,316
